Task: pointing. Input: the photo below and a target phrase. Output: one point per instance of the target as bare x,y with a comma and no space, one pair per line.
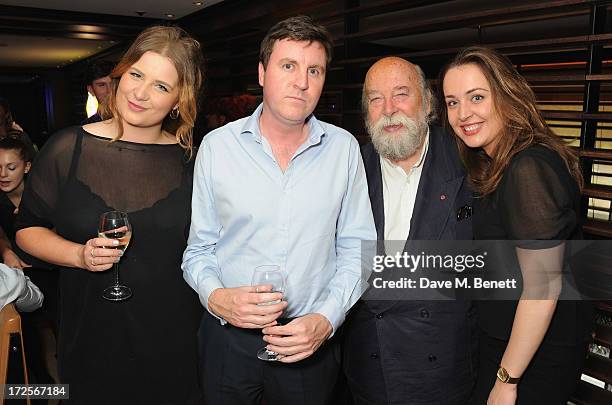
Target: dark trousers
232,374
550,378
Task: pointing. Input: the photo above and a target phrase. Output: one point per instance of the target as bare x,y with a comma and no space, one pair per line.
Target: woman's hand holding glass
115,226
99,254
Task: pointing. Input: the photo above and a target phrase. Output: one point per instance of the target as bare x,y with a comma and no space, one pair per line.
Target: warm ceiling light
170,15
198,3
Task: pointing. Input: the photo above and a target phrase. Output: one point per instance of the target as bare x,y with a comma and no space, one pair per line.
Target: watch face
502,374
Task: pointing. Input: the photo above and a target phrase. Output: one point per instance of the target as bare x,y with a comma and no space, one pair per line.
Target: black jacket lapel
371,161
438,188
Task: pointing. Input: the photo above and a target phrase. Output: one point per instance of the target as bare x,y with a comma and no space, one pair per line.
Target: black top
7,222
7,216
94,118
537,199
142,350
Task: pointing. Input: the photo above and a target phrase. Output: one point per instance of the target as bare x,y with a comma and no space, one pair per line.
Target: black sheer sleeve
46,179
536,199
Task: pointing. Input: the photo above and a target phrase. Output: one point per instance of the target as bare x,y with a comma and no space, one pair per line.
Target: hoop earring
174,113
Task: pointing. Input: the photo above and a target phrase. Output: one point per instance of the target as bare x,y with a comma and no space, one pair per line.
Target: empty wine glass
269,275
115,225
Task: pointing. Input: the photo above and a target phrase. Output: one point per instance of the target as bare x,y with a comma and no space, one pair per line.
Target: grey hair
426,95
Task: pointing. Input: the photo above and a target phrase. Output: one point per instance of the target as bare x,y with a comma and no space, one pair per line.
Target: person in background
97,83
15,163
17,287
278,188
142,350
528,182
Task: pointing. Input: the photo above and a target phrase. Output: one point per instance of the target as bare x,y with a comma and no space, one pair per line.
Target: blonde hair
184,52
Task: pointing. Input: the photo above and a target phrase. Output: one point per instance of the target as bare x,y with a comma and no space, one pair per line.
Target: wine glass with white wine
269,275
115,225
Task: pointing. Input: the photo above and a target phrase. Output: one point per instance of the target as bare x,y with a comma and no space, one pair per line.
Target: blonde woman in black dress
142,350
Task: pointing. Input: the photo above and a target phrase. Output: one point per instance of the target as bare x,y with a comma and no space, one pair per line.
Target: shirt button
379,316
432,358
424,313
374,355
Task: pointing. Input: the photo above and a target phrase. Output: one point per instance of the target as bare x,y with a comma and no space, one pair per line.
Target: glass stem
116,268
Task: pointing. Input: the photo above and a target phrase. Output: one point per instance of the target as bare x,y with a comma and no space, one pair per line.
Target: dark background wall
26,95
563,48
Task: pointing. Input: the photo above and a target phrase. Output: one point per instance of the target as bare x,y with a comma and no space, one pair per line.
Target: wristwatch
503,376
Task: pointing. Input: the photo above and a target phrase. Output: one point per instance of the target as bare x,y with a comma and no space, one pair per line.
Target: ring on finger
92,252
92,261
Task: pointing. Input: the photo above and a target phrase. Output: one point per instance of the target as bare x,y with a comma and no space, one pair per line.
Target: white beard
399,145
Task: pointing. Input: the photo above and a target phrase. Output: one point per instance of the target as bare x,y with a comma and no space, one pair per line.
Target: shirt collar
251,126
424,151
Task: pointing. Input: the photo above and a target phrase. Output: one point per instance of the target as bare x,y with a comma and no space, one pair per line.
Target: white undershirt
399,194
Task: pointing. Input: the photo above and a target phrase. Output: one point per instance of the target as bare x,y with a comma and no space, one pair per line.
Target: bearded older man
410,352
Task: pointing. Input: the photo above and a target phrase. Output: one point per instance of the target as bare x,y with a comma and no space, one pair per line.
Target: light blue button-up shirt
310,220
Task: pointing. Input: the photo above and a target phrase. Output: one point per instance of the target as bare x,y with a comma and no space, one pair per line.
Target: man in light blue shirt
278,188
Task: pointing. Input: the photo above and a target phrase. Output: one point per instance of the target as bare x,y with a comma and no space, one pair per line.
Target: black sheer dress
143,350
537,199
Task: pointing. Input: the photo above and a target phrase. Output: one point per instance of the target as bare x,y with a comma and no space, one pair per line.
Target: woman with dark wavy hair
138,160
529,182
15,163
